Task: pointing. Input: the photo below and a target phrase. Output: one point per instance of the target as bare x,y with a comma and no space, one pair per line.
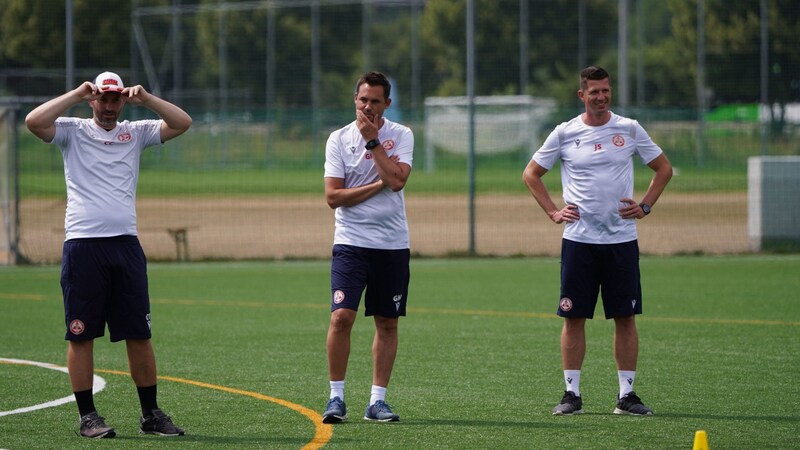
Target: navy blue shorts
608,269
104,281
384,273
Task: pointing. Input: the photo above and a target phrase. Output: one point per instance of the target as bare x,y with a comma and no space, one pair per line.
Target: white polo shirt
380,221
101,169
596,172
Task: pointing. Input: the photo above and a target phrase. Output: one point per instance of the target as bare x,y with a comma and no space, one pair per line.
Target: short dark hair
593,73
375,79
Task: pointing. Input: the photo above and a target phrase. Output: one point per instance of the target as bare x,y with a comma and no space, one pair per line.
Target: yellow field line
323,432
34,297
461,312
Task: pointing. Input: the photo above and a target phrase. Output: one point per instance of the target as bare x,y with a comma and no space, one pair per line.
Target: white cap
109,82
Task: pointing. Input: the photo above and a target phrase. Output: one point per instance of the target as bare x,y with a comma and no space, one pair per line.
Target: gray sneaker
570,404
632,404
93,426
380,411
160,424
335,411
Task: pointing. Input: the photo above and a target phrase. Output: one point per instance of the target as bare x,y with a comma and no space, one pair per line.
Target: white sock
626,378
572,378
337,389
378,393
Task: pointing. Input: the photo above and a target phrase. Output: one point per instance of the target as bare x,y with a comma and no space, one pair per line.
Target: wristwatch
372,144
645,208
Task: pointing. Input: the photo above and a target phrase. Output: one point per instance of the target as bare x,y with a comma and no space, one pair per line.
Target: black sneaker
160,424
570,404
632,404
93,426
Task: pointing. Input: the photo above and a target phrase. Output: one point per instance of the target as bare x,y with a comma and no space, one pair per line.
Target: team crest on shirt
338,297
124,137
618,140
565,304
388,145
77,327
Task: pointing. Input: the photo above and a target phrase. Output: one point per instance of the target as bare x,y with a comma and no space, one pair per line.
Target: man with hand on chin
367,164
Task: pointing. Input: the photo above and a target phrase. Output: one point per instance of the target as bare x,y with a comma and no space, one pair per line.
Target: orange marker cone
700,440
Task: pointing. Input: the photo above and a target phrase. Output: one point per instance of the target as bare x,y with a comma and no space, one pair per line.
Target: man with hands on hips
599,248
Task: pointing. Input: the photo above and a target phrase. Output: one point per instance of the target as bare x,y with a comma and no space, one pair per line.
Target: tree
33,35
553,56
733,42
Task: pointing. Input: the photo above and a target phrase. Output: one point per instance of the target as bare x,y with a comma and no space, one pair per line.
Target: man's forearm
354,196
172,115
46,114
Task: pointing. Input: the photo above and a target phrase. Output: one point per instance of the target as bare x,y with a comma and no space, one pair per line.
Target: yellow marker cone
700,440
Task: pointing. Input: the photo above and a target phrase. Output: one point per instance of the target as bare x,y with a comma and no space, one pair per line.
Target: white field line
99,385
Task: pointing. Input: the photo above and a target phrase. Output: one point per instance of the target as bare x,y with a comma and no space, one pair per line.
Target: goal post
503,123
9,213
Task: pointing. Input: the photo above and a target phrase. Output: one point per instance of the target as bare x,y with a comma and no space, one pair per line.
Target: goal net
503,123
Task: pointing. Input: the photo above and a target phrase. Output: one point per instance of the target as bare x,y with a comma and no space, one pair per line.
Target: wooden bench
181,237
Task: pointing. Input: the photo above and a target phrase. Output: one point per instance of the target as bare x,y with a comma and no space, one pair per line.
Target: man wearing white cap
104,270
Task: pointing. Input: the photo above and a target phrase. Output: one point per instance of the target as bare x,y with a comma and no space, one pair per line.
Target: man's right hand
568,213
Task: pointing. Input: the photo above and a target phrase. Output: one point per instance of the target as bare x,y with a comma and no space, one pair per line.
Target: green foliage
254,159
478,364
225,47
733,33
29,29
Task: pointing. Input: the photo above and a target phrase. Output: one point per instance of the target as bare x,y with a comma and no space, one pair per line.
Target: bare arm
394,175
176,120
337,195
41,121
663,173
532,177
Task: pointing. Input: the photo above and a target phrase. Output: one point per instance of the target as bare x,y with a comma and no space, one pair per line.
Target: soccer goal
773,219
9,236
503,123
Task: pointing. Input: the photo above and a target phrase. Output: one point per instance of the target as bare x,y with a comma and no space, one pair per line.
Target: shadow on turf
558,419
466,423
729,417
266,441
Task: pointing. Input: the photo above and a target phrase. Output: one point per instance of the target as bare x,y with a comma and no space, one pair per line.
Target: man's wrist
372,143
